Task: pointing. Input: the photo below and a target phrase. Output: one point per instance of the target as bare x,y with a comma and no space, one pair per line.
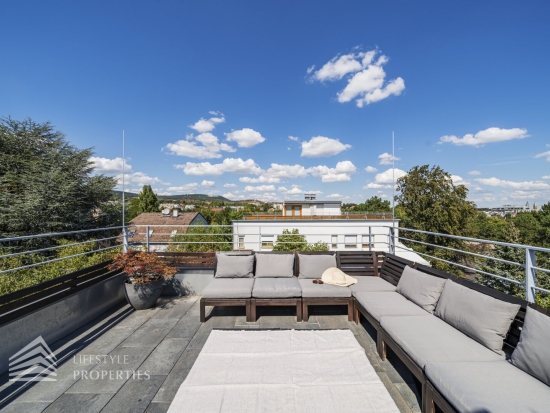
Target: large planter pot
143,296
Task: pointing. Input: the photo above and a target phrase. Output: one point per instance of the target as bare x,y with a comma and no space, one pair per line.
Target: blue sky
294,96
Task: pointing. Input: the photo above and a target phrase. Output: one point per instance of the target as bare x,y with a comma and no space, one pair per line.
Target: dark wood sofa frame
391,271
353,263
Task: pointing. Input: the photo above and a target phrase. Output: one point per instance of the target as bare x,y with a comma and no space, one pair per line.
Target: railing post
259,238
530,276
147,238
125,240
370,238
392,241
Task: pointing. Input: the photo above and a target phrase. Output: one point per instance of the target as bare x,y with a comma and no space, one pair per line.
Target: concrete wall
61,318
188,282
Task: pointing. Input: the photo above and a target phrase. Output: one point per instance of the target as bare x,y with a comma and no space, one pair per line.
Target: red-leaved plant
142,267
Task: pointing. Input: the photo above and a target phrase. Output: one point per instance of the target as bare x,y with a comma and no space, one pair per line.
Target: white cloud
294,138
334,196
140,178
234,165
387,158
285,171
260,188
192,187
260,179
229,195
319,146
546,177
208,125
474,173
340,173
490,135
294,191
366,77
201,146
245,138
229,185
371,169
385,179
544,155
109,166
525,186
208,184
527,195
457,180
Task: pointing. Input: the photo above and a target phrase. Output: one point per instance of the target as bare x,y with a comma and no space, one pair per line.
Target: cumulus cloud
208,125
320,146
340,173
387,158
140,178
458,180
294,138
474,173
544,155
245,138
385,179
260,179
208,184
371,169
331,196
525,186
285,171
229,185
365,76
259,188
546,177
191,187
109,166
202,146
490,135
234,165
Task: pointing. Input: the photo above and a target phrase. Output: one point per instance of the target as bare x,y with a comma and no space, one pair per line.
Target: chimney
175,213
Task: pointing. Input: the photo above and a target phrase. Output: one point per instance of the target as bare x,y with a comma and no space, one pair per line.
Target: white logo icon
35,362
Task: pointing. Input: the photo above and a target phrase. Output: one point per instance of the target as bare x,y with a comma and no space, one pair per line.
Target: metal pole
123,186
392,241
530,276
393,179
370,238
259,238
147,238
125,239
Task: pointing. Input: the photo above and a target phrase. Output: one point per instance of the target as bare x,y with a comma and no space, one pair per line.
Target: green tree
430,201
147,200
529,227
374,204
46,184
204,238
291,240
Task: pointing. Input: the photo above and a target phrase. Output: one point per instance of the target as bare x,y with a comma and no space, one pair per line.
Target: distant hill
184,197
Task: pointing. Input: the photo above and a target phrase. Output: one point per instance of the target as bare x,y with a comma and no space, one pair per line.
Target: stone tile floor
135,361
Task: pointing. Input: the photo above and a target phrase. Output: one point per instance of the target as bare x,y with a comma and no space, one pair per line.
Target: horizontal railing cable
57,234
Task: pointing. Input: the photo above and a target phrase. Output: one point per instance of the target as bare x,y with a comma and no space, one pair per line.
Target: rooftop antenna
393,178
123,190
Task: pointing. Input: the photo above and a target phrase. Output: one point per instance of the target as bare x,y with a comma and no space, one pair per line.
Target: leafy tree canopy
291,240
46,184
374,204
147,200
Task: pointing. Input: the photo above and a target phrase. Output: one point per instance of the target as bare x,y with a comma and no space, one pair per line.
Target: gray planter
143,296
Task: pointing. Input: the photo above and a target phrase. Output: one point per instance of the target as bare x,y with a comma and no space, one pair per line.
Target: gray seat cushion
314,265
485,319
532,353
311,290
388,304
489,387
422,289
229,288
234,266
371,284
274,265
428,339
276,288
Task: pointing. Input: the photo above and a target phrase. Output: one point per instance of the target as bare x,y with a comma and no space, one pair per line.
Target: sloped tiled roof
161,225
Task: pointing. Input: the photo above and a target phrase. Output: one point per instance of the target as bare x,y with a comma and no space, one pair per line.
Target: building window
267,241
241,242
350,241
366,241
334,240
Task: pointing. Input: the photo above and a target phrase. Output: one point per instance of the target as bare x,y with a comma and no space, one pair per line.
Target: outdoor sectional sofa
472,348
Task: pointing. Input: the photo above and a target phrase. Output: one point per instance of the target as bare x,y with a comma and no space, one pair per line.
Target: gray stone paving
135,361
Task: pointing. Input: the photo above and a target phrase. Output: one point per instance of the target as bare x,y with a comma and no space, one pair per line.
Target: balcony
151,352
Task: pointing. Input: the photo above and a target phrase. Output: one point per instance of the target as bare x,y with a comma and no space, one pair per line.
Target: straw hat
336,276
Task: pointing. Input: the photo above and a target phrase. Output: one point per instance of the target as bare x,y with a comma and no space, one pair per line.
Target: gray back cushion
313,266
483,318
274,265
422,289
532,353
234,266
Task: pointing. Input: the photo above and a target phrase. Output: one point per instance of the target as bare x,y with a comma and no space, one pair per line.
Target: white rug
282,371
